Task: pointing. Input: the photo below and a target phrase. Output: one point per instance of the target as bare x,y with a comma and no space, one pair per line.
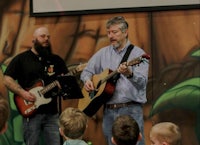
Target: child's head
165,133
125,131
73,123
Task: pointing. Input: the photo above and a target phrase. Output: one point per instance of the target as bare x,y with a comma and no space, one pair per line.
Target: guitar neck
135,61
49,87
75,70
72,72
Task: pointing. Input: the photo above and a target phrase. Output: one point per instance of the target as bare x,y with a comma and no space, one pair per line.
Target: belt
120,105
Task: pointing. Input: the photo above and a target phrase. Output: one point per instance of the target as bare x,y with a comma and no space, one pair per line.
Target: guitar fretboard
49,87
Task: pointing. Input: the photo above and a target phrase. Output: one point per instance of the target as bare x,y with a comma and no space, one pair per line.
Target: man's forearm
12,85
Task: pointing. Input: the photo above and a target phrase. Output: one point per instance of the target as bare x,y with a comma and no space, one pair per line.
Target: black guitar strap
125,57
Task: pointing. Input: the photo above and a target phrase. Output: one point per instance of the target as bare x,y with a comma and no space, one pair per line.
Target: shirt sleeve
140,72
93,66
13,68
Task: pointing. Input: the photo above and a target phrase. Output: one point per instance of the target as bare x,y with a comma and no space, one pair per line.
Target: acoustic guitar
68,84
104,84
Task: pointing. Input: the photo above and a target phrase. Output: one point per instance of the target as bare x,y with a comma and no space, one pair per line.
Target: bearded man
25,76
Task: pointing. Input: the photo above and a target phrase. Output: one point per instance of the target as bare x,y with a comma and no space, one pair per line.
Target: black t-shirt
29,69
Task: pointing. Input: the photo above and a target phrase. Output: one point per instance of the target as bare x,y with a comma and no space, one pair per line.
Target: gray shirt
75,142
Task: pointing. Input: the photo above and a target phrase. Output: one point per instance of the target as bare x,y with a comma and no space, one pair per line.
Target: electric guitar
104,84
27,109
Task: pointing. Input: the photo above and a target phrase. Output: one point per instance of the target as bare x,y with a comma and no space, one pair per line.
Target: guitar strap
124,59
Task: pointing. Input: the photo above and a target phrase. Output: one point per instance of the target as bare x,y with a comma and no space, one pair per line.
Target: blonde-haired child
73,123
165,133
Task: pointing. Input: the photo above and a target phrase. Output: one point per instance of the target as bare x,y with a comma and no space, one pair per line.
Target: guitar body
91,103
105,87
27,109
69,90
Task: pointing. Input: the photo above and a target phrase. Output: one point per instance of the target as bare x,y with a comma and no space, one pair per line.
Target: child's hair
4,113
166,132
73,122
125,130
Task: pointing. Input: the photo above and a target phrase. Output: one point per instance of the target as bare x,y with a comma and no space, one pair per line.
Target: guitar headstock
146,56
138,60
77,69
80,67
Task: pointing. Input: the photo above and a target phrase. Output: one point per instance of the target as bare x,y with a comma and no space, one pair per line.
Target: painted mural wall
172,38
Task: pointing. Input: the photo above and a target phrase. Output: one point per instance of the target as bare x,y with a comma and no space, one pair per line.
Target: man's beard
43,52
117,45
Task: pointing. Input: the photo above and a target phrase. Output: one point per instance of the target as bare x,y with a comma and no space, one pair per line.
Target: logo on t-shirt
50,70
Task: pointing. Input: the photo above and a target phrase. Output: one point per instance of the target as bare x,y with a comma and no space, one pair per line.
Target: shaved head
40,31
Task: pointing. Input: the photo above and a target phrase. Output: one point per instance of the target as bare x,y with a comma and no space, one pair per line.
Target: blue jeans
134,110
46,124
